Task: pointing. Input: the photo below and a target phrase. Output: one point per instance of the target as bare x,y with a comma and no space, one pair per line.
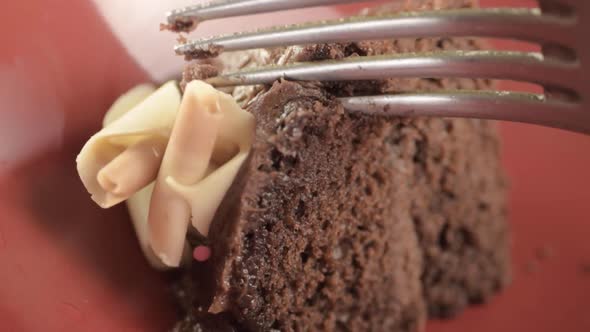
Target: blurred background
67,265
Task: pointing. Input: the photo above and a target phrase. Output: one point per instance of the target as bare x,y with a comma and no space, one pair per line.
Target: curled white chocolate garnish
206,196
127,102
133,169
186,159
138,203
210,140
132,142
138,206
195,151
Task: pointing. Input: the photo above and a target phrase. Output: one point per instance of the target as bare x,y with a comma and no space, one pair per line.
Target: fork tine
523,24
186,19
518,66
495,105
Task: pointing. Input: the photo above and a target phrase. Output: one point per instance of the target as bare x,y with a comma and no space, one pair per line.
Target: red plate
67,265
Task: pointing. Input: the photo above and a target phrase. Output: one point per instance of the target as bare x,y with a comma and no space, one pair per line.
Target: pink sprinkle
201,253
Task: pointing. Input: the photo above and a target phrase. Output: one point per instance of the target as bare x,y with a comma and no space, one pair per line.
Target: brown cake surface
342,222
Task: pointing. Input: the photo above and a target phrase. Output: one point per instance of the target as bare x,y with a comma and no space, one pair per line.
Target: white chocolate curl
124,157
173,161
164,105
127,102
210,141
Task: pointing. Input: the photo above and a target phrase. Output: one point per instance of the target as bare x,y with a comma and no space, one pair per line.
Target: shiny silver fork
561,27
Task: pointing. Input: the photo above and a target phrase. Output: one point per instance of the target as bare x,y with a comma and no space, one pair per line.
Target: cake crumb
180,25
181,39
204,52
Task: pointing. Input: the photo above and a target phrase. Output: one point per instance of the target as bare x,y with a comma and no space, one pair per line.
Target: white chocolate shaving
138,206
124,140
138,203
122,180
210,140
193,149
127,101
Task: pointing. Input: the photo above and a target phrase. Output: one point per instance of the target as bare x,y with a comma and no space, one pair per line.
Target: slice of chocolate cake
341,222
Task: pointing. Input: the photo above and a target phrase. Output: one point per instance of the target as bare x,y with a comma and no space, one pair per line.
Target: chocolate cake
346,222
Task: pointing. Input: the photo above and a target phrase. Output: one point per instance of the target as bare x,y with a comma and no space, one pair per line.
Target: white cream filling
192,149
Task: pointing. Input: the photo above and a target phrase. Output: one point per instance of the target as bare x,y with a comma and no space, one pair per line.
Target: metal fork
561,27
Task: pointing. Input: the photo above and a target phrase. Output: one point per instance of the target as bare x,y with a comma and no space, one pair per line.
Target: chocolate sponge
343,222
